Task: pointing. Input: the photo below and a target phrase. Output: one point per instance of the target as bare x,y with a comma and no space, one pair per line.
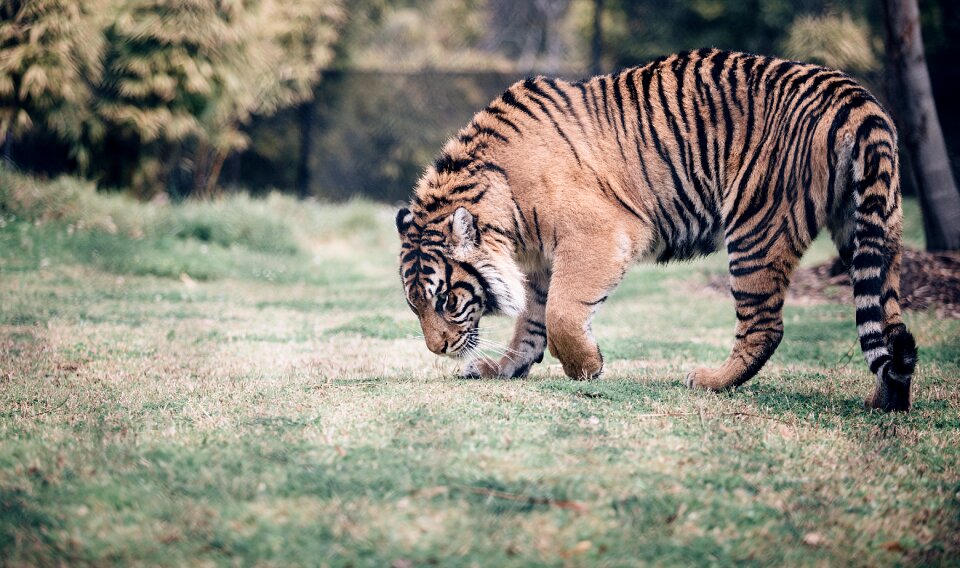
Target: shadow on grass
24,525
777,398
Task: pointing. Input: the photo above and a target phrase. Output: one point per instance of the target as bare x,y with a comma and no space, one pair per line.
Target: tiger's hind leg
759,285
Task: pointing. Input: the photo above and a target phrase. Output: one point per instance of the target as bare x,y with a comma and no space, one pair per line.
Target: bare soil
928,281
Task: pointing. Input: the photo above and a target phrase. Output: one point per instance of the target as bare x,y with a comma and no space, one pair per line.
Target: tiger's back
671,160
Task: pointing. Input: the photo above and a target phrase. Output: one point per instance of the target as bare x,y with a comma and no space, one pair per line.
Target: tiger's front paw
485,368
481,368
704,378
583,369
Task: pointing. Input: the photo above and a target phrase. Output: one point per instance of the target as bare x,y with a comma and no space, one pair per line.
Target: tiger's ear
466,233
404,219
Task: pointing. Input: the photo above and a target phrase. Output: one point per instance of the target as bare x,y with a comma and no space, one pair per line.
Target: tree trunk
939,197
201,165
596,45
552,12
306,149
212,189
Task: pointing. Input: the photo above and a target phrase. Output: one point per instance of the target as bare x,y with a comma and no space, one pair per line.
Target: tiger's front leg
529,335
580,284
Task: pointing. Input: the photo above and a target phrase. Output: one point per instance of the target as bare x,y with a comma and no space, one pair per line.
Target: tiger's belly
694,244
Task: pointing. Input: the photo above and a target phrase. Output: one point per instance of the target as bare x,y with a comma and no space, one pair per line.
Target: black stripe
492,133
540,295
509,99
536,225
490,300
557,127
537,324
447,163
879,362
552,83
476,198
490,167
497,114
537,332
462,188
531,85
618,100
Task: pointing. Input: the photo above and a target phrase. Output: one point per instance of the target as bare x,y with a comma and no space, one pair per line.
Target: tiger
537,208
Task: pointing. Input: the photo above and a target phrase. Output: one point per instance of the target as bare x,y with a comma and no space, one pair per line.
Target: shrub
234,221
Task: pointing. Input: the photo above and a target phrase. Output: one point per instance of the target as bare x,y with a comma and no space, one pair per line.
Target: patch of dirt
927,281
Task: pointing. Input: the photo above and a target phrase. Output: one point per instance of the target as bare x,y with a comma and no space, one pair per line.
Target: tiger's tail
888,347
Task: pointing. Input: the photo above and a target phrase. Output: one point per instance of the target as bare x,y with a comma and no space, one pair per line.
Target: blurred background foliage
332,99
154,94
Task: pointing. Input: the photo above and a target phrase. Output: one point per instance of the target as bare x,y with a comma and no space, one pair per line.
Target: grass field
238,383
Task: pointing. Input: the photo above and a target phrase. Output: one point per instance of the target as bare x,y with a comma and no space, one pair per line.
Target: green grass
240,383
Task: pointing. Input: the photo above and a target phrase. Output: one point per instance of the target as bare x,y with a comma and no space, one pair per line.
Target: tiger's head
452,275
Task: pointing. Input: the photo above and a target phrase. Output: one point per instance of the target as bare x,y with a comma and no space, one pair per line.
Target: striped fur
557,187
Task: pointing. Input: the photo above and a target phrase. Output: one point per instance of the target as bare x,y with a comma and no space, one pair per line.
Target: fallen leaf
571,505
814,539
677,514
893,546
579,548
431,492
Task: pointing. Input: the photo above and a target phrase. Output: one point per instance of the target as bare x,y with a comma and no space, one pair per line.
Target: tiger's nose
438,345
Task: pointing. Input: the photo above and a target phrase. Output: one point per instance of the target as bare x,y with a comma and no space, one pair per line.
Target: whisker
469,354
502,348
503,354
493,345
